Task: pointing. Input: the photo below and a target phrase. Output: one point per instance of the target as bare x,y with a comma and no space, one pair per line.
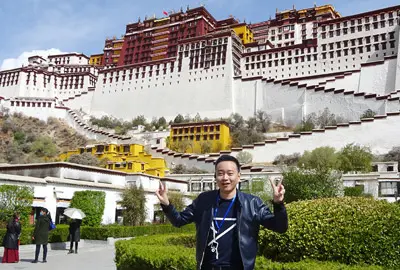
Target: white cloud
21,60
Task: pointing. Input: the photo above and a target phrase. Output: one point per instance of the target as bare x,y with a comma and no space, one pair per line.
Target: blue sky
83,25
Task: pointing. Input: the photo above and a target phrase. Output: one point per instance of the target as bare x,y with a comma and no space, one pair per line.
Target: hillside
27,139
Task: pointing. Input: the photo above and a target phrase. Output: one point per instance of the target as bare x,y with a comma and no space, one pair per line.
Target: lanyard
219,226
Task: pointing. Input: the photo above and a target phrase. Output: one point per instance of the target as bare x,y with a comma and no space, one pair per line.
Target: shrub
15,199
354,191
356,158
244,157
92,204
134,202
368,114
60,234
310,184
348,230
178,252
84,159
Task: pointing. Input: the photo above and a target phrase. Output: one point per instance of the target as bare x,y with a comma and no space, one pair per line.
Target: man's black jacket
252,213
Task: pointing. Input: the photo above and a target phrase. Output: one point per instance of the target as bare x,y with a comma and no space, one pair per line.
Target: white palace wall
380,135
379,79
204,91
290,103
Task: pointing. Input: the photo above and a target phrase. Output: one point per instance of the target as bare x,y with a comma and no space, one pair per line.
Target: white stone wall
290,104
380,135
379,79
204,91
43,113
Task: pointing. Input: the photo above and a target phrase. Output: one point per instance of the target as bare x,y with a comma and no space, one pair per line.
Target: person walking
74,234
228,220
11,240
41,234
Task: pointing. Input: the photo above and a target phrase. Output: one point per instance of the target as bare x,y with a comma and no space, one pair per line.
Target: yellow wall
245,34
195,137
128,158
96,60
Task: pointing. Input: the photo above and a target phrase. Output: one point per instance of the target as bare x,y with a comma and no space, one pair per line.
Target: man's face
227,176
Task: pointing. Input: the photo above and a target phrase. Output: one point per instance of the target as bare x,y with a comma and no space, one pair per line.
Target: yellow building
128,158
244,32
203,137
96,60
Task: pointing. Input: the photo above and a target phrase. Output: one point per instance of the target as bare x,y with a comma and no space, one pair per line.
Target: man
227,220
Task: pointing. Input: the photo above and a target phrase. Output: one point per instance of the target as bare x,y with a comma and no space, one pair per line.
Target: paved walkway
98,258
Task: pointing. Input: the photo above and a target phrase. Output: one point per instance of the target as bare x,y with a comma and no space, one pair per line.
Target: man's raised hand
278,190
161,194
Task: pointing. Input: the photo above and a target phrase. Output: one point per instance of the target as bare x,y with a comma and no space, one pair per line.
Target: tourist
41,234
11,240
74,234
228,220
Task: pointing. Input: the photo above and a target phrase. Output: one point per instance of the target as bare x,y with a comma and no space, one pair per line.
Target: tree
355,158
289,160
326,118
244,157
263,121
134,204
44,147
205,147
182,169
321,159
179,119
197,118
84,159
303,184
92,203
368,114
162,122
393,155
139,121
15,199
308,124
260,187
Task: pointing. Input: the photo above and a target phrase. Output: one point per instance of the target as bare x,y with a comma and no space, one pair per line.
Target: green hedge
60,234
349,230
177,252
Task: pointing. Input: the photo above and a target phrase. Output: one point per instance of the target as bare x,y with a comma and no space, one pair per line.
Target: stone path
98,258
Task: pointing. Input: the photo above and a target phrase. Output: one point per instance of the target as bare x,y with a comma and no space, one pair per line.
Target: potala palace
298,63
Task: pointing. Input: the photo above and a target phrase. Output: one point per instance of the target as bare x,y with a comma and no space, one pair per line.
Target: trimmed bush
349,230
101,233
357,191
153,252
60,234
92,203
178,252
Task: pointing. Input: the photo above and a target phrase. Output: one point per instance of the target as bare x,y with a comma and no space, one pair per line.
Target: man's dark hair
227,158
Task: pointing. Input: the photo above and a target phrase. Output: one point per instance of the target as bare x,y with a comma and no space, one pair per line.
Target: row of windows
301,51
197,137
203,44
360,50
30,104
282,62
139,69
9,76
359,41
196,129
360,28
8,83
359,21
